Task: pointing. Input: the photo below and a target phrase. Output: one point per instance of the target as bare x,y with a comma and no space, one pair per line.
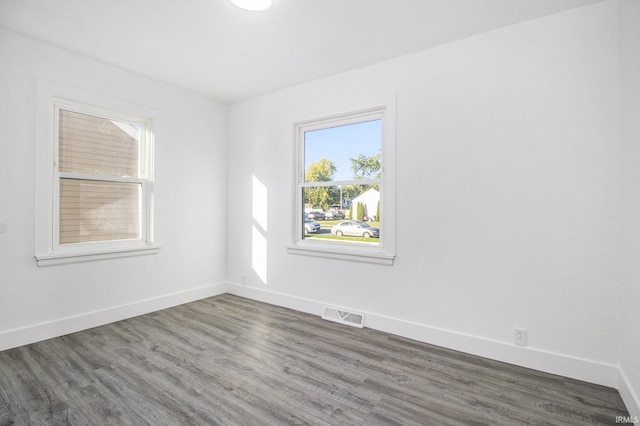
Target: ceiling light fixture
253,5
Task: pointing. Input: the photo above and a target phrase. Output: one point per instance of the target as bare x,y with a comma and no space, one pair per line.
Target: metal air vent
353,319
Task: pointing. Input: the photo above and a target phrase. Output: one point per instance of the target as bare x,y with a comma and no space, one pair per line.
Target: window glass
332,153
100,187
96,145
98,211
342,176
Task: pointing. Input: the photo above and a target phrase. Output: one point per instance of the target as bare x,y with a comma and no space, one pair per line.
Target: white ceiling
212,47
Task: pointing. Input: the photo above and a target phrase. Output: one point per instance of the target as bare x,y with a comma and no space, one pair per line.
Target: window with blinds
102,178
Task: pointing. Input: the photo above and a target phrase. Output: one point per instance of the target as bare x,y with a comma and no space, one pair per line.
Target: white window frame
48,250
382,253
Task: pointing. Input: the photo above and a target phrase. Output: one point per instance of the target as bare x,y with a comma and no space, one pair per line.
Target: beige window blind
96,156
97,145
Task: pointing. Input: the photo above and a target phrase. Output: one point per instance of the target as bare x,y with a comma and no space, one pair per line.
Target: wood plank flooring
232,361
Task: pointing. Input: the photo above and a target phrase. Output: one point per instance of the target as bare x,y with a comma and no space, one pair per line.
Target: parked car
355,228
316,214
334,214
311,226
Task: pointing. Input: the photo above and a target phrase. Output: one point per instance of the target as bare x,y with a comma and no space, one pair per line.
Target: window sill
77,257
343,254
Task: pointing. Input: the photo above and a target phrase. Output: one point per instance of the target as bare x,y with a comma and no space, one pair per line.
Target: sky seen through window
340,144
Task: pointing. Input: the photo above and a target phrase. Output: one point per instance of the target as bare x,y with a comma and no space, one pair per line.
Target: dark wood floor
232,361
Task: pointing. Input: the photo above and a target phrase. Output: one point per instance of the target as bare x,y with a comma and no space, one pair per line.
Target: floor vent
343,317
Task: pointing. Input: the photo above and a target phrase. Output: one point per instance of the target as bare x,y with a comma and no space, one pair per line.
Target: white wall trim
628,394
550,362
59,327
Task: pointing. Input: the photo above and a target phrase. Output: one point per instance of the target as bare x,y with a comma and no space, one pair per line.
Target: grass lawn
343,238
327,224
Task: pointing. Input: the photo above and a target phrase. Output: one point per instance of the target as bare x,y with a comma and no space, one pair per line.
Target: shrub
360,211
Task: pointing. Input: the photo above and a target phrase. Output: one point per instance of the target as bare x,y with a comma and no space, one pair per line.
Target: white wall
508,165
630,302
190,190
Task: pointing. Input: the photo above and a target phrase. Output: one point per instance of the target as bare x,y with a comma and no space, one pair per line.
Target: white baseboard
59,327
554,363
629,395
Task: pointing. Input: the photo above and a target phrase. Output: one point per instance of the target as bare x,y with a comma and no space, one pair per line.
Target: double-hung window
101,186
344,201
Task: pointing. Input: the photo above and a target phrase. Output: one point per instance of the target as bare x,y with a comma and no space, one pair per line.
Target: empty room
355,212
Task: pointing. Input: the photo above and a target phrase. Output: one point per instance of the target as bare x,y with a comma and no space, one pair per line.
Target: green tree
320,171
367,167
360,211
349,192
321,196
363,168
378,212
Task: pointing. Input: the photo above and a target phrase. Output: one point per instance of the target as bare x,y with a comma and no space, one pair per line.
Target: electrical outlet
521,337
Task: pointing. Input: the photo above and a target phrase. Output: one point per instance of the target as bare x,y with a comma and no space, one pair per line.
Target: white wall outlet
520,337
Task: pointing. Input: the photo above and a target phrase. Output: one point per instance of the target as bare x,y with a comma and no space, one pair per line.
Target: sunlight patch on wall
259,229
259,254
259,204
